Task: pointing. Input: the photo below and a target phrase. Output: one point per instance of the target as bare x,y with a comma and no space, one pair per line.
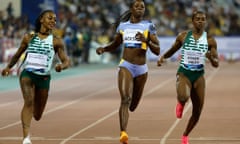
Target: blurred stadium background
86,24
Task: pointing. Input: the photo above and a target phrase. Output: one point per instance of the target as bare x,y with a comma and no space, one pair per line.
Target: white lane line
163,83
170,130
113,113
89,126
107,138
82,98
45,113
64,105
55,90
9,103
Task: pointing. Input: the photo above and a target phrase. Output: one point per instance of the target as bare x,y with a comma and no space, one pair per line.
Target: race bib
129,38
36,61
193,58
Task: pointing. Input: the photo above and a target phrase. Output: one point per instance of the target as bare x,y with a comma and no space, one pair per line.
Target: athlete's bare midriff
134,55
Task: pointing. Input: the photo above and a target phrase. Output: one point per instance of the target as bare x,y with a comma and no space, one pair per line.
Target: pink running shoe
185,140
179,110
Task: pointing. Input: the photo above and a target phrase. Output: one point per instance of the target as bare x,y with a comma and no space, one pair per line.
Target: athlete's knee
133,105
197,117
183,98
125,100
196,113
25,126
28,103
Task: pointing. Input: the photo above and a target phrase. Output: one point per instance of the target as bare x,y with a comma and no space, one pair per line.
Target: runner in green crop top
40,48
195,46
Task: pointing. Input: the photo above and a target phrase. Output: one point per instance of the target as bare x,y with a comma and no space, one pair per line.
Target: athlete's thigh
40,99
183,85
125,82
139,83
199,91
27,88
138,86
41,96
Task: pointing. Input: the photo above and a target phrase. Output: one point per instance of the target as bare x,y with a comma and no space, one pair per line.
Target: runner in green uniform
195,46
39,48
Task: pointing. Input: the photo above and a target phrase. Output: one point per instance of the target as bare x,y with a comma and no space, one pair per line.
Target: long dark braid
123,18
37,21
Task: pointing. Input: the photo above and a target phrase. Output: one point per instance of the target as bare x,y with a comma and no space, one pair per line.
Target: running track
83,109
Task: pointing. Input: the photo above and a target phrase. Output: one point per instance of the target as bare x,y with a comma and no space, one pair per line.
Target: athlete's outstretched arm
16,56
175,47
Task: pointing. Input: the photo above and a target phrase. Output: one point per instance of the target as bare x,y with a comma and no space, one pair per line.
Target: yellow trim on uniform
144,45
121,32
121,61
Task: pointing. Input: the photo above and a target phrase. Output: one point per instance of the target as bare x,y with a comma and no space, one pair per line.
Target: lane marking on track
64,105
170,130
113,113
222,139
67,87
8,103
89,126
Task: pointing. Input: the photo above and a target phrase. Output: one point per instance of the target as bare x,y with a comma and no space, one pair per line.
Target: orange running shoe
179,110
123,137
185,140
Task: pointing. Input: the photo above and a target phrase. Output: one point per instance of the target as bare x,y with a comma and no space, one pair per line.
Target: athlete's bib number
129,37
36,61
193,58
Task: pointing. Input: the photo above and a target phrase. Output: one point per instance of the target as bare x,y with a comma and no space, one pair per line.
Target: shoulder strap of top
188,35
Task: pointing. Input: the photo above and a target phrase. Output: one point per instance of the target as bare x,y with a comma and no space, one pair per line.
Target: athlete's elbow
157,51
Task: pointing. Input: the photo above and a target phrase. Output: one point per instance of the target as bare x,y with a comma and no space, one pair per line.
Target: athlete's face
138,8
199,21
48,20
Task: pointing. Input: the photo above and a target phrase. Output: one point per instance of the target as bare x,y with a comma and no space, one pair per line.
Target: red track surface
83,109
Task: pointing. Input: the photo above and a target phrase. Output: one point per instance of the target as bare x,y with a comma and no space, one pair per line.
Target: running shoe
179,110
185,140
123,137
27,140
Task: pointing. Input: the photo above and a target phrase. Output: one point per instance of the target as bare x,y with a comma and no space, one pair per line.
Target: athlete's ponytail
123,18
